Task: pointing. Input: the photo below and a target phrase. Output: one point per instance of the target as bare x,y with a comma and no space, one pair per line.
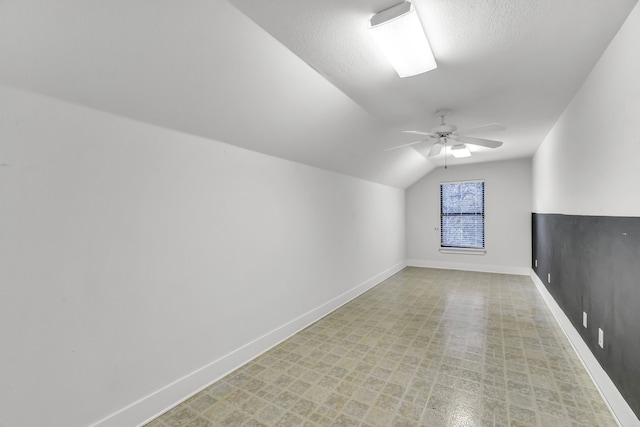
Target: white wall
588,164
507,218
133,256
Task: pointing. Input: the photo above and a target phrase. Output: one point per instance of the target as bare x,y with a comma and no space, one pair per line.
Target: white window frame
457,250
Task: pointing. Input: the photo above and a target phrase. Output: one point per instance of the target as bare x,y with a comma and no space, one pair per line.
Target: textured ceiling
302,80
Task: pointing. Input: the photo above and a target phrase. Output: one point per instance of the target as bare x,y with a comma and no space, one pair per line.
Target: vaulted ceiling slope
302,80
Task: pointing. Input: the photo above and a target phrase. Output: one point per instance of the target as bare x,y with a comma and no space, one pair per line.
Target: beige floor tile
427,347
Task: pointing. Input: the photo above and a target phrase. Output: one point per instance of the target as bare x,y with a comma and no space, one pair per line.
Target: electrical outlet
536,263
548,277
600,338
584,319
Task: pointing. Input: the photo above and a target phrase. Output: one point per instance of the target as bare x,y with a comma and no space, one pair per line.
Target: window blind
462,215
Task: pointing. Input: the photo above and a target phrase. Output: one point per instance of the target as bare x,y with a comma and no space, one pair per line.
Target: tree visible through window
462,215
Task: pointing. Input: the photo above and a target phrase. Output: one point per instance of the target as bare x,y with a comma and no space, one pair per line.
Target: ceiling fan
444,134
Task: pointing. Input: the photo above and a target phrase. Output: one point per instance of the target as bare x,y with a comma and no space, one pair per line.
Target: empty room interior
256,213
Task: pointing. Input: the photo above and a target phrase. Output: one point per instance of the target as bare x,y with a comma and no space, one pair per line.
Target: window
462,215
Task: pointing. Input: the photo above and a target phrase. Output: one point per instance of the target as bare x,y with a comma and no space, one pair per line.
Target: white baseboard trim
160,401
620,409
501,269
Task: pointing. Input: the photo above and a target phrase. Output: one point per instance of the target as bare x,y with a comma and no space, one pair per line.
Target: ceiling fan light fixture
460,151
400,35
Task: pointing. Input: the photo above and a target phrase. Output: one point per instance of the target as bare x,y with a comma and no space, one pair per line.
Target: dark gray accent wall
594,263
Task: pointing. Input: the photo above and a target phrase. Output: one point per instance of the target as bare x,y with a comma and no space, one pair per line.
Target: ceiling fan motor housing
444,129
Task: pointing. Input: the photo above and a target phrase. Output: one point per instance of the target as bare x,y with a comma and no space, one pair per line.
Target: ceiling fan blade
435,149
405,145
490,143
417,132
492,127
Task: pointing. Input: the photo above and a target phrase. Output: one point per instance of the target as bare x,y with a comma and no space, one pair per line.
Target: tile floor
426,347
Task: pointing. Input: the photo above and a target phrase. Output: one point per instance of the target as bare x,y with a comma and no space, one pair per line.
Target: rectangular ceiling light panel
400,35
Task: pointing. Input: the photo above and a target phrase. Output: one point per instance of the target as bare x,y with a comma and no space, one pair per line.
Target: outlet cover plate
600,338
584,319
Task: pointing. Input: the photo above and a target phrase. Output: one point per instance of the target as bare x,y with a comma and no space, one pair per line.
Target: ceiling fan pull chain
445,153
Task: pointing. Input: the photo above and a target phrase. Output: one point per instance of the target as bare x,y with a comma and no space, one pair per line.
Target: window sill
467,251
